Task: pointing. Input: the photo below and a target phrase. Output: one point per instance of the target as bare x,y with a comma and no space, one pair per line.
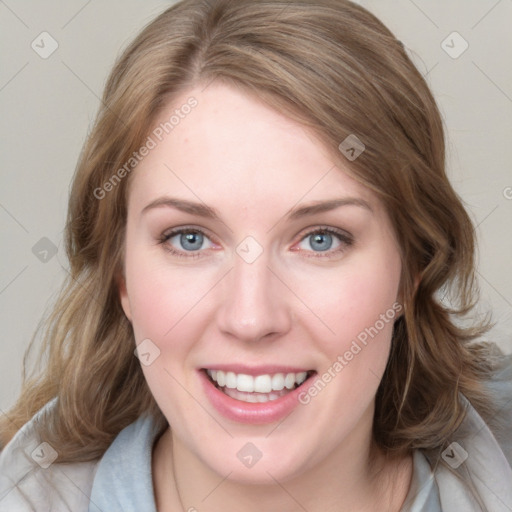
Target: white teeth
230,380
289,381
244,383
253,397
278,382
263,383
221,378
259,384
301,377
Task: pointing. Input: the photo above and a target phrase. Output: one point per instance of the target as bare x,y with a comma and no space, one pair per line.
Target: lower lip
247,412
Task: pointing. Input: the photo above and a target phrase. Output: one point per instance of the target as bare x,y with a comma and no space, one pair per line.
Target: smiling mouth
259,388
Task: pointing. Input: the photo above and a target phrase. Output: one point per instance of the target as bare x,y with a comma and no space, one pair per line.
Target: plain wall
48,105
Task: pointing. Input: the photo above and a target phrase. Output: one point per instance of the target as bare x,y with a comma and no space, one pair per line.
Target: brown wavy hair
333,66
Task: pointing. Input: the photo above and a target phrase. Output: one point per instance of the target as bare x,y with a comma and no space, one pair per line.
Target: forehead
231,148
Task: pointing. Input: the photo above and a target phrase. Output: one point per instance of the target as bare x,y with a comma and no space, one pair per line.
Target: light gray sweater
31,479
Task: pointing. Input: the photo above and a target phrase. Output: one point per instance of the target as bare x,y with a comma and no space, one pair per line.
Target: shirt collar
123,479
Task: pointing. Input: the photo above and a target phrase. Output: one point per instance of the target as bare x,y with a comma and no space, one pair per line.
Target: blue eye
321,241
190,241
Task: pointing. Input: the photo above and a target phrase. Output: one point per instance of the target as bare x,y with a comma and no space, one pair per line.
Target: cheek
161,296
359,305
356,301
152,309
167,309
361,308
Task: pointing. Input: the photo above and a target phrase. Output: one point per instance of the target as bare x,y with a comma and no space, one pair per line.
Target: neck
183,482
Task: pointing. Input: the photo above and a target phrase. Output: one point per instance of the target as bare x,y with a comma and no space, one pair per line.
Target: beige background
47,106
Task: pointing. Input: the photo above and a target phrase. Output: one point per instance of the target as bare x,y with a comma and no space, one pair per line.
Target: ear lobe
123,296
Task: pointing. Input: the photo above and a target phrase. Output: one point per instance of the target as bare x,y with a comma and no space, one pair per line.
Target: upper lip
256,370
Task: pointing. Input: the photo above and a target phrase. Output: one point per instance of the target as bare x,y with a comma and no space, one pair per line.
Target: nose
254,302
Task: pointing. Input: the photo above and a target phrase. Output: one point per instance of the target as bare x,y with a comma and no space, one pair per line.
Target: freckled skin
289,307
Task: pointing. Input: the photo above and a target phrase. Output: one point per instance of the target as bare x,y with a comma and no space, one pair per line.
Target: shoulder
474,471
500,389
31,478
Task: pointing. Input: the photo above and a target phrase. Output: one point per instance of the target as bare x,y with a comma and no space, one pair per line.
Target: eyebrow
202,210
325,206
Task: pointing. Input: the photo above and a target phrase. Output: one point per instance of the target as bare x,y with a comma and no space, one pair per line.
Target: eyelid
311,230
168,234
345,238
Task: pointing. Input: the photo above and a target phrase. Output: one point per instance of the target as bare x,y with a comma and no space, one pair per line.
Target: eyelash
345,239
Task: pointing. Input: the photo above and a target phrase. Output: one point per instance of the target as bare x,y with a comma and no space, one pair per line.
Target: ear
123,296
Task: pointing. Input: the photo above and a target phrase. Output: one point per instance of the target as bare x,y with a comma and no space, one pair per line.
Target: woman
262,213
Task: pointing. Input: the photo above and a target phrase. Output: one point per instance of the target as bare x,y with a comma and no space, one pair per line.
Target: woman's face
285,268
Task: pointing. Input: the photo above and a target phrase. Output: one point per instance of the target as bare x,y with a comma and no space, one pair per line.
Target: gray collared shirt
123,479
